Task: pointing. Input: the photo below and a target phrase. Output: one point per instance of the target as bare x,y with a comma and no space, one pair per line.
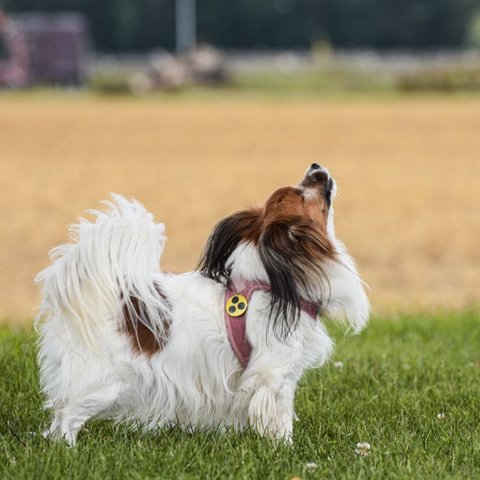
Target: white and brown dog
222,346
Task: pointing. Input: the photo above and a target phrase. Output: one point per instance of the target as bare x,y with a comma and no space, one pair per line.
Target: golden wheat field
408,173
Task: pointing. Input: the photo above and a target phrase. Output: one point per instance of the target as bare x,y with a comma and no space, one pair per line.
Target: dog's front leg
270,411
267,403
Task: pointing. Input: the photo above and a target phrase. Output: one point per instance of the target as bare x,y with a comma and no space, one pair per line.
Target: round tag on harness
236,305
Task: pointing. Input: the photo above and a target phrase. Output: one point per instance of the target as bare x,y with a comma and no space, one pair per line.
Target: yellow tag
236,305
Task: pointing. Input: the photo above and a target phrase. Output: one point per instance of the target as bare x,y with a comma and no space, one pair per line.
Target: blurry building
14,55
57,45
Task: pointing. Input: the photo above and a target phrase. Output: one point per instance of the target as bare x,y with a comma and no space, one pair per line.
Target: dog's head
292,236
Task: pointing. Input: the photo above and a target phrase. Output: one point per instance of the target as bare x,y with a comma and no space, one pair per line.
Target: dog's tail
106,271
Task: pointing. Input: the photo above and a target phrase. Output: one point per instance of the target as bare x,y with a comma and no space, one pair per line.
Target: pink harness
237,325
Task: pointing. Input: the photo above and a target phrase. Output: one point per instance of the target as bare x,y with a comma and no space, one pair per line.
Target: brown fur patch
286,201
316,208
308,202
136,326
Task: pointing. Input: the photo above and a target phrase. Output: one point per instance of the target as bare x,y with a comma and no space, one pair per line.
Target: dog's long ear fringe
224,239
292,250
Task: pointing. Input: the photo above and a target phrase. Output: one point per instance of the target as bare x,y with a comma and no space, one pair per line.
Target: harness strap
235,308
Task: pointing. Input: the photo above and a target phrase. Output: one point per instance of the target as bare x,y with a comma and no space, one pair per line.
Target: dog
221,347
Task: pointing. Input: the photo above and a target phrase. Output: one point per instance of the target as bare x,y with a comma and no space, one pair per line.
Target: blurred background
202,107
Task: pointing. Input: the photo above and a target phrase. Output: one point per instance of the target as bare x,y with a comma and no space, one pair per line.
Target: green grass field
394,381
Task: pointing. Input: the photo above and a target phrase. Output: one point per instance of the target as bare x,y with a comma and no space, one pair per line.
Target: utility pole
185,25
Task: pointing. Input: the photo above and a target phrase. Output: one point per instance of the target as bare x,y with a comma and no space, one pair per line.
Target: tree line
139,25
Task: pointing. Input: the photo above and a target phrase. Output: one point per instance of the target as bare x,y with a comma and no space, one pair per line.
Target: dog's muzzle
319,177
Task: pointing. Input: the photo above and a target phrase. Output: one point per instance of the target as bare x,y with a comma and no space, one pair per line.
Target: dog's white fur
89,368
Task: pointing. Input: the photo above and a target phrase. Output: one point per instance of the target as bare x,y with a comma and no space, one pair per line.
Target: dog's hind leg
70,416
54,431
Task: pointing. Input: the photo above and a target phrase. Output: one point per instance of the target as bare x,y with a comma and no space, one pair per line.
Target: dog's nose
318,173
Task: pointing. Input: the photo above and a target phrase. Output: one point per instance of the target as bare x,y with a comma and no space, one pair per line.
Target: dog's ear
224,239
292,251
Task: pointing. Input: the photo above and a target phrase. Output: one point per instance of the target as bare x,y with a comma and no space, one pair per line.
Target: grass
396,378
315,82
320,80
323,79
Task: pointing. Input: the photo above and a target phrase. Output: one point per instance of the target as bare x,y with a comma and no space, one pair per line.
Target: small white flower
311,465
363,449
338,364
441,416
